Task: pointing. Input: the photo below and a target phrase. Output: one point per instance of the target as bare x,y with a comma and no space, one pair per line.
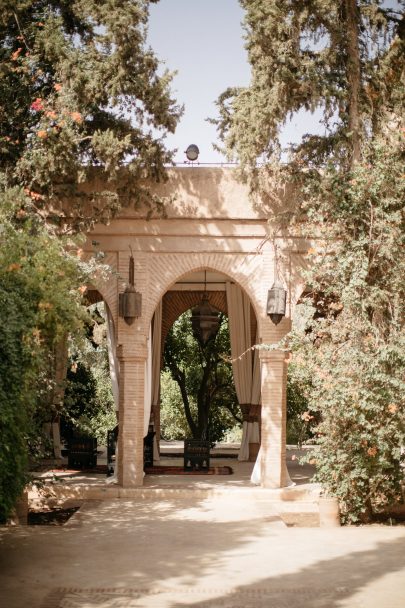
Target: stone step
296,498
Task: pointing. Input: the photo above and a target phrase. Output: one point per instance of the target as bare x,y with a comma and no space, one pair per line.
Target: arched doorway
228,298
209,223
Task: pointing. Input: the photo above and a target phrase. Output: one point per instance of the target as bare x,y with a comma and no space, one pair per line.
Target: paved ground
300,474
203,553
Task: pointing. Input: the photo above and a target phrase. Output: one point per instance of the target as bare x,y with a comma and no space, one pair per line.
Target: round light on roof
192,152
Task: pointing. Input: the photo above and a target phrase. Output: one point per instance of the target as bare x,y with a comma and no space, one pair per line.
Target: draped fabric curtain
246,372
256,477
156,358
156,353
254,431
148,385
114,374
112,356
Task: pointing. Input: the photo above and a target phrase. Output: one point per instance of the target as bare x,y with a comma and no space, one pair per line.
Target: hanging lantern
130,302
276,302
204,321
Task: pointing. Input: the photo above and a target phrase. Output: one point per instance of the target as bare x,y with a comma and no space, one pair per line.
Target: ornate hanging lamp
204,319
130,302
277,296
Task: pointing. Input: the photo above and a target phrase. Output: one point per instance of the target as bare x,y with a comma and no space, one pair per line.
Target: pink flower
37,105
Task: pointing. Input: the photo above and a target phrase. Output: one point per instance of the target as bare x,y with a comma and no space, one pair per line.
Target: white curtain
246,376
256,477
156,356
114,375
148,385
112,356
253,430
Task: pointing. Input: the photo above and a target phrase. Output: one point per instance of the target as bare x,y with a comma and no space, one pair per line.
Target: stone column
131,418
274,405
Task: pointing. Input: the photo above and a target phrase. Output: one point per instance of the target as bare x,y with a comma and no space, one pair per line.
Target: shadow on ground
201,553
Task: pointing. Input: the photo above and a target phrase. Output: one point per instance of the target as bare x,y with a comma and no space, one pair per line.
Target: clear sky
202,40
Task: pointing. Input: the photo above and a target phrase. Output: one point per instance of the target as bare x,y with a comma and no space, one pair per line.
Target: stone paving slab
200,553
197,597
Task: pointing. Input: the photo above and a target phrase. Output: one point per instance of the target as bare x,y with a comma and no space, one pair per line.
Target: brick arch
173,268
107,289
94,295
175,303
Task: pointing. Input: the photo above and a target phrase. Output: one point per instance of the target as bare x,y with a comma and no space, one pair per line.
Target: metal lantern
130,302
204,321
276,302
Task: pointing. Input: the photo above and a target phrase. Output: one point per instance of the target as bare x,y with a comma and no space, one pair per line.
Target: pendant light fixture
204,318
276,296
130,302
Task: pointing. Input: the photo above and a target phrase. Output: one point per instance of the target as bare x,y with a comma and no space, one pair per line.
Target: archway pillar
274,413
131,417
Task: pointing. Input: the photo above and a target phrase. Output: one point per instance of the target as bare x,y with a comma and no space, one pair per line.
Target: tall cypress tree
311,54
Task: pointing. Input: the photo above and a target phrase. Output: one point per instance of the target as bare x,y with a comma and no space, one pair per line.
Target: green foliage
347,60
299,419
88,404
14,397
302,57
105,418
40,302
80,97
173,421
205,382
79,89
80,395
354,352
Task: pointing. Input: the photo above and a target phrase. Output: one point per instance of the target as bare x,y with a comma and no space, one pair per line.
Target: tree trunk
203,404
353,72
180,378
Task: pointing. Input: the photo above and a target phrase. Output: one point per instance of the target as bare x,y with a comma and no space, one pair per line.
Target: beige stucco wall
210,223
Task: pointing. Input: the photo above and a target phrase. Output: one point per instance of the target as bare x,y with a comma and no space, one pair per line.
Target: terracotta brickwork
177,302
210,224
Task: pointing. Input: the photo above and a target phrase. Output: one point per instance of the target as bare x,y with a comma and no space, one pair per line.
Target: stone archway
185,294
210,223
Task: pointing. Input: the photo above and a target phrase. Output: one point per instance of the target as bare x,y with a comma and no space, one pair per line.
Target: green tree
204,377
345,59
80,89
339,57
173,421
300,420
41,286
88,404
80,97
